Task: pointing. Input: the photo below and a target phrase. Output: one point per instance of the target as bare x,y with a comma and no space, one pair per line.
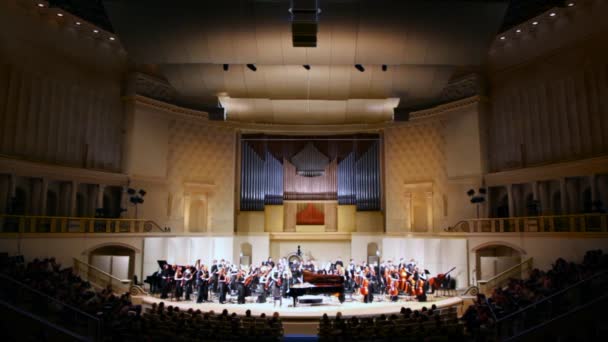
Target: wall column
564,195
73,192
100,190
428,196
511,201
593,185
409,211
187,200
44,189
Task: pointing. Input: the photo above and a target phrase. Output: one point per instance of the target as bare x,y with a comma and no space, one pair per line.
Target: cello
435,282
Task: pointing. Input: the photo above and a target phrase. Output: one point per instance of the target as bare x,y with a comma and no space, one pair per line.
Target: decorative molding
585,167
150,87
195,187
24,168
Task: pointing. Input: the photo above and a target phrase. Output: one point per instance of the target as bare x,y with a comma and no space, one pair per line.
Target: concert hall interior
236,169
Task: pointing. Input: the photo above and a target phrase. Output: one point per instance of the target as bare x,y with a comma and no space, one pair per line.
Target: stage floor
330,306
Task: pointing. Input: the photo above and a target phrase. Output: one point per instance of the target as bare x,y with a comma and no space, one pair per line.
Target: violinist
222,280
179,283
188,276
276,280
240,286
203,279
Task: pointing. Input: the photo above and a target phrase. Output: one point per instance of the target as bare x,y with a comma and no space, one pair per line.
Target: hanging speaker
217,114
401,114
304,22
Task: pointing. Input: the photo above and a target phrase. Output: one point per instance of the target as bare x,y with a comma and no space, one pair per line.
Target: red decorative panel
310,214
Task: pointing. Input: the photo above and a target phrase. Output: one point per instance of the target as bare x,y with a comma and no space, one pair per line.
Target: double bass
435,282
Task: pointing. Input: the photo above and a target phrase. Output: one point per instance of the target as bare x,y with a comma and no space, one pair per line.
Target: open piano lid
161,263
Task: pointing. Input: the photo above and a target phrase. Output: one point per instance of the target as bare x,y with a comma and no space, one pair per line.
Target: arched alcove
81,205
51,203
19,202
117,260
495,257
198,216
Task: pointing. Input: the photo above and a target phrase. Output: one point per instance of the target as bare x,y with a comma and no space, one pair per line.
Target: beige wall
59,92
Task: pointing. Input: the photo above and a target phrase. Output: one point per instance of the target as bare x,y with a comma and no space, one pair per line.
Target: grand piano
318,284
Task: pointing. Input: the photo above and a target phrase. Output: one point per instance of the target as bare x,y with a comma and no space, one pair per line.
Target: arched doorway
246,254
117,260
372,249
492,259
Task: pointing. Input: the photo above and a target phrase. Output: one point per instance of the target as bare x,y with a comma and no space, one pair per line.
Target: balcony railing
582,223
100,278
59,224
519,271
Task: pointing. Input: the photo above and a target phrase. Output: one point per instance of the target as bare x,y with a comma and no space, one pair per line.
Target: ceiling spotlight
570,4
252,67
40,5
384,67
78,23
306,66
535,23
60,14
225,67
112,38
503,38
359,67
552,14
95,31
518,30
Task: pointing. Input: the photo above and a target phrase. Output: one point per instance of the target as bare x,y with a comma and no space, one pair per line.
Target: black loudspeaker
401,114
217,114
304,23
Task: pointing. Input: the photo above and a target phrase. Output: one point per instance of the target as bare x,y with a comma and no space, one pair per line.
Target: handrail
69,224
552,296
84,270
571,223
554,319
485,285
52,299
23,295
44,321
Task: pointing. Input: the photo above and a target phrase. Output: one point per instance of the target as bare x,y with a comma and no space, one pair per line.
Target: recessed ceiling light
535,23
570,4
78,23
503,38
112,38
60,14
552,14
95,31
40,5
518,30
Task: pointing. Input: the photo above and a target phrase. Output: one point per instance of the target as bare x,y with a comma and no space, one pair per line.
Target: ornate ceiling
422,43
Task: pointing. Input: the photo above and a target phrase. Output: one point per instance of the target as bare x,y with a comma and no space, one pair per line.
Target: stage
303,312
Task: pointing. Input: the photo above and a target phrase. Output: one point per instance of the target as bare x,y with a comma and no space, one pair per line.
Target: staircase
101,279
28,312
574,313
519,271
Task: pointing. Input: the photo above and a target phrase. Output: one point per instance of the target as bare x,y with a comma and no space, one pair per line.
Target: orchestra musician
166,277
188,276
276,280
222,280
240,286
179,283
202,278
